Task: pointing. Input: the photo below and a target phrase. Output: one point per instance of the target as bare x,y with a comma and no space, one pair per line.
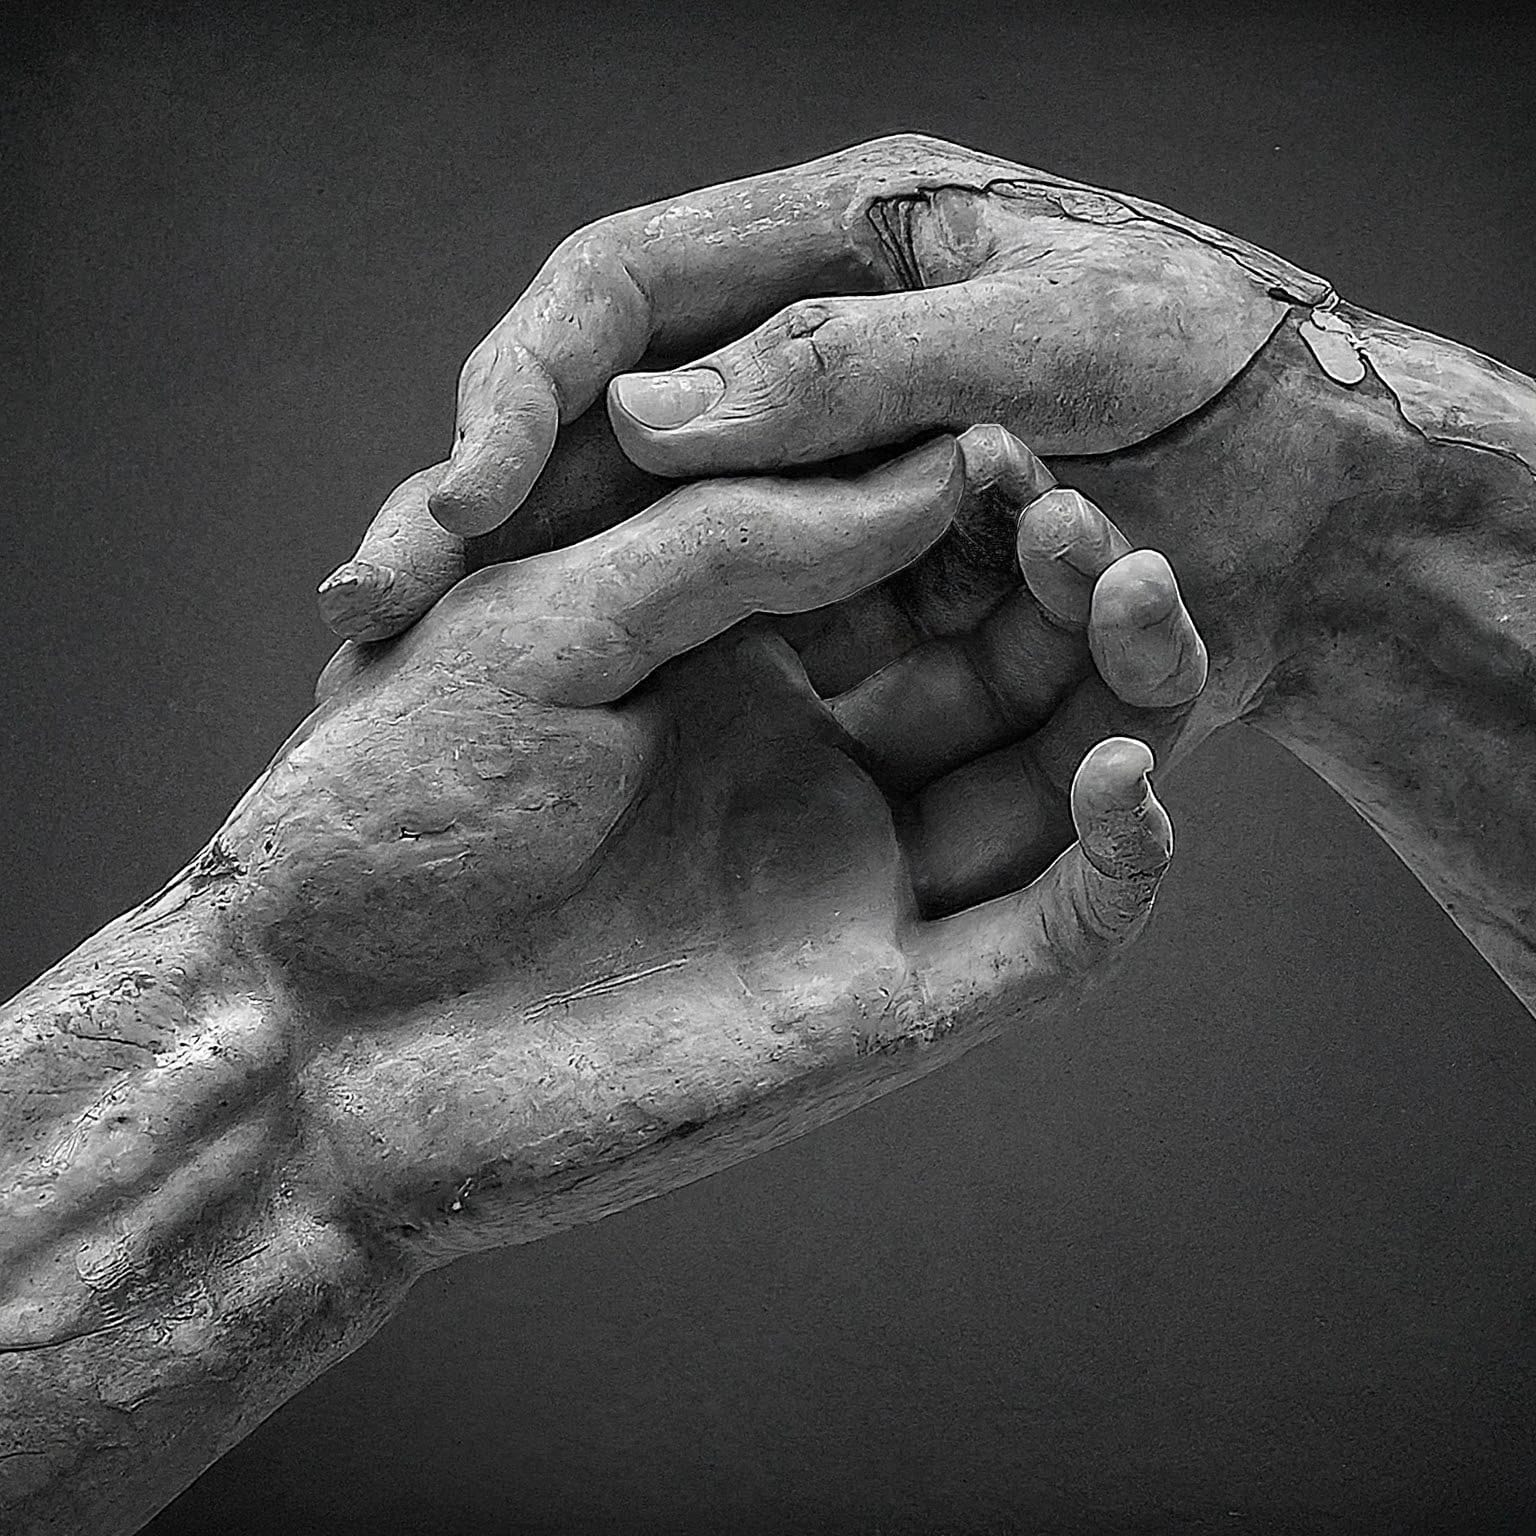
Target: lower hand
591,901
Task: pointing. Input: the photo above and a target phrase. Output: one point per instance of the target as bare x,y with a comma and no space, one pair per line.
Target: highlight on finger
1143,639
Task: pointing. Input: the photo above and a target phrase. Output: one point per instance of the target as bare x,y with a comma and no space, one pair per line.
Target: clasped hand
592,891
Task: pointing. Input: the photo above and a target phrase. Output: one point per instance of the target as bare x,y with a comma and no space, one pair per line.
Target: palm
617,922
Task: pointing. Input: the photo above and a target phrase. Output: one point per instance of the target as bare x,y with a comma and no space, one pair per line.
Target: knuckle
1115,911
481,367
804,318
1096,915
793,358
760,382
588,245
478,361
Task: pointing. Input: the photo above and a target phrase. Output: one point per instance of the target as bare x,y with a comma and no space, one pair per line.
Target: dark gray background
1249,1246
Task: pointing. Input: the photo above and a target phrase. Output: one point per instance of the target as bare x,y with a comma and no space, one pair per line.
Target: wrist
154,1122
1422,558
1404,680
1242,496
135,1069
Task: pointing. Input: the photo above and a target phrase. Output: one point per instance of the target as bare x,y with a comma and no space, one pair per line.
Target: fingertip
1064,526
1122,826
1137,592
1143,639
469,502
996,461
1053,524
1113,776
494,468
352,599
1053,533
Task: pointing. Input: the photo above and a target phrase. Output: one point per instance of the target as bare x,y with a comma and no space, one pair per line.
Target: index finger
673,278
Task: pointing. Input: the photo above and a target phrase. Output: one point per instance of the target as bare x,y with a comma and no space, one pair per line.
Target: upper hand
962,288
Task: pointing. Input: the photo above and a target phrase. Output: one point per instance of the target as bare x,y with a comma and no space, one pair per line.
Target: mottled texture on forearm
1410,681
170,1269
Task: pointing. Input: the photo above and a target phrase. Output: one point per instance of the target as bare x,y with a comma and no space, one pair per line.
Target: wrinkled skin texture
1106,320
962,288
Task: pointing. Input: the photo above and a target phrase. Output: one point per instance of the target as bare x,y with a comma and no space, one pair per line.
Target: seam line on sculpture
1191,415
603,985
68,1338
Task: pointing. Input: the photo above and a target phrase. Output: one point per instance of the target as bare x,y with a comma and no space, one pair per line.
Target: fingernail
1122,774
663,400
353,590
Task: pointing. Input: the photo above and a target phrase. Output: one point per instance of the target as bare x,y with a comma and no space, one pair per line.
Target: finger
827,377
405,562
1091,901
1065,544
994,823
954,698
1143,639
598,618
998,464
669,278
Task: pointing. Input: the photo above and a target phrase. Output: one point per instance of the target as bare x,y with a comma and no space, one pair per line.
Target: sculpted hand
548,925
576,891
963,288
589,927
862,300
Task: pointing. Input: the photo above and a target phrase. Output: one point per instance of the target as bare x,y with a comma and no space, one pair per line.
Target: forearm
171,1267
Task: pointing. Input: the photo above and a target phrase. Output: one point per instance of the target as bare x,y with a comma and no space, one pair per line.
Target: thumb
1032,945
821,379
